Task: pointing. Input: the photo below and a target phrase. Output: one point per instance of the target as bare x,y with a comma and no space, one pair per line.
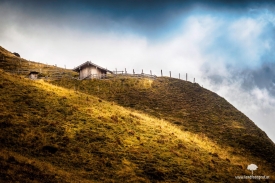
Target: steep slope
13,64
52,134
187,105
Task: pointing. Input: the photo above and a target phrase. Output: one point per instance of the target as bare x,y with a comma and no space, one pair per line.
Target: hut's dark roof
33,72
88,63
16,54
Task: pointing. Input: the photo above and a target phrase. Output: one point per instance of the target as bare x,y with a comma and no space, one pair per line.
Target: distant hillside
124,130
13,64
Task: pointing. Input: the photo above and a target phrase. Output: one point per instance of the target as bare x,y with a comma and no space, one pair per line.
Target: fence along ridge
98,76
105,76
149,75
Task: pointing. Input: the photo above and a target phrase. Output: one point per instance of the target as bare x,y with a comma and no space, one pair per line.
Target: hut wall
84,72
33,76
89,71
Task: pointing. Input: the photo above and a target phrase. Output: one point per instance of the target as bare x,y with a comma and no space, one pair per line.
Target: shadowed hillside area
123,130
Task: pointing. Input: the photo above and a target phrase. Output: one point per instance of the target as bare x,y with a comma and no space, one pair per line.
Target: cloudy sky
228,46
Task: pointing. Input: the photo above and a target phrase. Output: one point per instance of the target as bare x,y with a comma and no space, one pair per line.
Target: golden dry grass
185,104
68,136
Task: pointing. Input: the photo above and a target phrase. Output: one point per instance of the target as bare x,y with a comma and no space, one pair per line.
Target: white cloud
246,33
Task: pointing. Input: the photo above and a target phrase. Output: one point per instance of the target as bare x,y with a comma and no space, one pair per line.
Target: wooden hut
89,70
33,75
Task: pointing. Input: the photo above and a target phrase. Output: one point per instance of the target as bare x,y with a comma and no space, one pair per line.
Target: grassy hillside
124,130
187,105
56,134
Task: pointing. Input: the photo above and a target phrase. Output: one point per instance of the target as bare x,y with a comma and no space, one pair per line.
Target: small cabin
89,70
33,75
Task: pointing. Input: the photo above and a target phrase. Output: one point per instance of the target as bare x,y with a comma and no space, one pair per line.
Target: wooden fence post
142,71
116,71
186,76
194,80
150,72
161,72
125,71
170,73
179,75
133,71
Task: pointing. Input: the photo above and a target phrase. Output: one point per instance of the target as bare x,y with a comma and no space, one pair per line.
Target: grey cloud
263,77
150,18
